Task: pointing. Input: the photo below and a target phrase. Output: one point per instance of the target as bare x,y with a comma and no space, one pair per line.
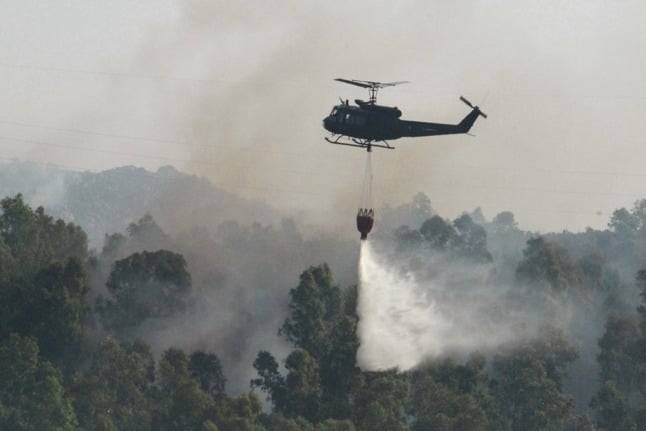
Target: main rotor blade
355,82
369,84
390,84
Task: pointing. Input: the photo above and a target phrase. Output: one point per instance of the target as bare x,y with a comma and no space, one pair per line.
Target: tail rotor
472,106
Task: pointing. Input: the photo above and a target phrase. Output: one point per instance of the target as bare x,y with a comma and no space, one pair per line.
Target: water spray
406,318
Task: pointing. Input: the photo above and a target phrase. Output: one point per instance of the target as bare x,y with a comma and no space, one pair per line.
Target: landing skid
360,143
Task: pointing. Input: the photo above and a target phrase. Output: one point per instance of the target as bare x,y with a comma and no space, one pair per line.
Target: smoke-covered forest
196,310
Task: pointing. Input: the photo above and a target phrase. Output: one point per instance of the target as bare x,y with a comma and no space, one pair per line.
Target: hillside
195,293
108,201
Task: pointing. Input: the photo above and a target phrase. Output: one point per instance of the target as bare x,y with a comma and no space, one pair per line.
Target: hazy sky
236,91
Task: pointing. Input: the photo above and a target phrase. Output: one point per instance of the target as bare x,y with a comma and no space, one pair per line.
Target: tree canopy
71,320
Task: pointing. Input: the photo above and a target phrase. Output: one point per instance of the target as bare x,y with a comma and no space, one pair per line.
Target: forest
157,331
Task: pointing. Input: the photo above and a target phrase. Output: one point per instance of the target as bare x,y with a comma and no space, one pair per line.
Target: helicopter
368,125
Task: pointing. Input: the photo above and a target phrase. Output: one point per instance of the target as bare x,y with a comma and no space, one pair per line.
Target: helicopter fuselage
371,122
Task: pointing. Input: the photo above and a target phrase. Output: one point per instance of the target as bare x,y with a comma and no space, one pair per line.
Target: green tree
640,345
410,214
407,239
611,409
315,307
7,268
182,404
339,374
420,207
505,222
335,425
146,234
473,239
440,408
640,417
145,286
547,263
380,400
206,369
592,268
439,234
56,311
618,352
35,238
639,214
302,386
114,393
43,281
527,383
640,281
449,396
243,413
269,379
298,394
278,422
623,223
52,307
322,372
31,393
322,380
580,423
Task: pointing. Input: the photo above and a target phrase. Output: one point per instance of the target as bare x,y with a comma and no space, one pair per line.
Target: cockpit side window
334,115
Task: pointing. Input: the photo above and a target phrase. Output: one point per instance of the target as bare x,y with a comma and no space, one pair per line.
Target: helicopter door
339,116
355,119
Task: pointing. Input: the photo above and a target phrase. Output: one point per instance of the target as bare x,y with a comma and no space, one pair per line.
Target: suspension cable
366,193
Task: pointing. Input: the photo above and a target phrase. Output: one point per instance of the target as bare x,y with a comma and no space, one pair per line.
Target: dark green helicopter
368,125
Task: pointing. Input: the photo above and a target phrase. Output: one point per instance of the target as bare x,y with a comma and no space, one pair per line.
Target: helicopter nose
326,123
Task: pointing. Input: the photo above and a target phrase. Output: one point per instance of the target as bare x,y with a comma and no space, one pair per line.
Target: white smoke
404,319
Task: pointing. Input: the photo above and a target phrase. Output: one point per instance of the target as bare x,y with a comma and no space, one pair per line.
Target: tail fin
467,122
465,125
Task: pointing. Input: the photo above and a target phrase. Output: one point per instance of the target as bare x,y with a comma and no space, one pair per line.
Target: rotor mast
372,86
373,94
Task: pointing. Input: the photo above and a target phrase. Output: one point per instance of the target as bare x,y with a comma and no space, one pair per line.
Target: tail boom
418,128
